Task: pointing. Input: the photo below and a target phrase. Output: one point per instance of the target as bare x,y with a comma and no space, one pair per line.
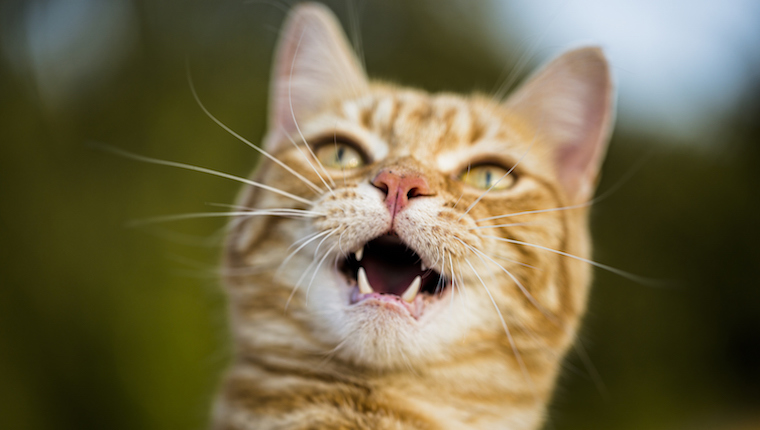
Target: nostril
414,192
382,186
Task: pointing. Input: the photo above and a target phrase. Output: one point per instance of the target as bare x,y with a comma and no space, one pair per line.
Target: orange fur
306,357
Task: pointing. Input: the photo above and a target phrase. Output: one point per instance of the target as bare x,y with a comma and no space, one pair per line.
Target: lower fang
412,290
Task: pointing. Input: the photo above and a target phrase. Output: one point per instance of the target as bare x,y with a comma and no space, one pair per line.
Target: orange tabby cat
410,260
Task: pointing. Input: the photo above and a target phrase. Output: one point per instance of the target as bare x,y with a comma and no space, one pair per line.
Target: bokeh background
107,326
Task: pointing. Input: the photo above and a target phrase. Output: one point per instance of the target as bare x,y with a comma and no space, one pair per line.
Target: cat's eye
488,176
336,154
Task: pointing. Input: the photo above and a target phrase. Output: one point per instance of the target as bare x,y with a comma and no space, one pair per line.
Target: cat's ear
570,102
314,65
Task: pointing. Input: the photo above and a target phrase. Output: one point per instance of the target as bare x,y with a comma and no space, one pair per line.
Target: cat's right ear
570,102
314,65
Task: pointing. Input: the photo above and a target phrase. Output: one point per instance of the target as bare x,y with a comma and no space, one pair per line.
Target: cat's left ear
570,102
314,66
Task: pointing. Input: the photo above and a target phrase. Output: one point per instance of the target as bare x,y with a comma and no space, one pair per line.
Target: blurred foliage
105,326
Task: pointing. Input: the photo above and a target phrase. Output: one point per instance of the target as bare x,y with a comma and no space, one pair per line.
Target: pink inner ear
571,102
314,65
578,161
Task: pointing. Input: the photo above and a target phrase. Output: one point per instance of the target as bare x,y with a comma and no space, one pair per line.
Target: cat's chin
384,332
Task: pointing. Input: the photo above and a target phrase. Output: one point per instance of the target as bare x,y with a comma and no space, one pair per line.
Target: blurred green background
106,326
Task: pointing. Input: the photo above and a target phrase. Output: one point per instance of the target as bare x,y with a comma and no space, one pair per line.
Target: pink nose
399,187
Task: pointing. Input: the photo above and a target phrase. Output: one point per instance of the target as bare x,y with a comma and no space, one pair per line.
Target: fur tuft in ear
570,102
314,65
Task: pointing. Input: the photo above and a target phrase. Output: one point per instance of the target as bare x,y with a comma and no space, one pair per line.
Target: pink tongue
389,278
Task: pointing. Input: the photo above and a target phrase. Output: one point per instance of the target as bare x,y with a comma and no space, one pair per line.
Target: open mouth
387,270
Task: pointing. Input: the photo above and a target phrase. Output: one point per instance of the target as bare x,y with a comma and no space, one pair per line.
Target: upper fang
361,278
359,254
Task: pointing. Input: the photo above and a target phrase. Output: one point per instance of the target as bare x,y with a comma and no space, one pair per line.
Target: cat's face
415,228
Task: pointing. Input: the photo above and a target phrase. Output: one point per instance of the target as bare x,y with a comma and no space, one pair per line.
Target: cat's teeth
359,254
412,290
423,267
364,286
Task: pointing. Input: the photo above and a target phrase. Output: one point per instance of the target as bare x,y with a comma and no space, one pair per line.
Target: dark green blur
104,326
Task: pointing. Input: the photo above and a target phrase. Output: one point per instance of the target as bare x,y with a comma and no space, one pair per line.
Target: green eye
339,155
486,176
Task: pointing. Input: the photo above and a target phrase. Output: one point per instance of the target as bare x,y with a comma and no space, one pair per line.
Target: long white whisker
340,245
479,253
293,114
526,57
622,273
595,376
442,276
514,224
203,170
244,140
538,211
356,34
298,284
197,215
469,166
519,263
246,208
316,251
306,157
316,270
626,177
453,282
512,343
308,241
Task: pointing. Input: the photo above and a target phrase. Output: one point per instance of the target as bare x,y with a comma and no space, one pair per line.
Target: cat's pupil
488,178
339,154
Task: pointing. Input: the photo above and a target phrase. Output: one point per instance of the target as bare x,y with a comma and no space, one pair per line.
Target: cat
408,260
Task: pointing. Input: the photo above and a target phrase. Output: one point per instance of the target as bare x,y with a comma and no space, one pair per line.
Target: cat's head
407,228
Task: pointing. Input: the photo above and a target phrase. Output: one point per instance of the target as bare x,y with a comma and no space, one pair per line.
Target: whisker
525,58
512,343
453,283
622,181
469,166
293,114
316,251
308,240
619,272
503,225
564,208
522,288
442,275
595,376
298,284
519,263
179,217
356,34
142,158
316,270
244,140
